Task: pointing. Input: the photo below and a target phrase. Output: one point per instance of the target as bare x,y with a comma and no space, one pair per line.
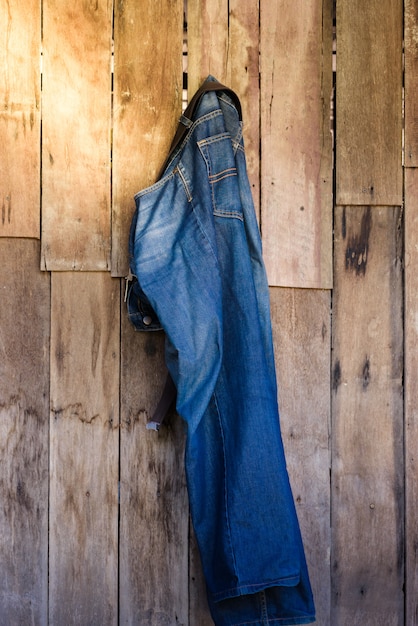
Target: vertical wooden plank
24,404
223,40
207,41
153,498
369,102
367,427
301,322
20,86
296,163
411,394
84,441
147,105
76,117
244,78
411,82
199,610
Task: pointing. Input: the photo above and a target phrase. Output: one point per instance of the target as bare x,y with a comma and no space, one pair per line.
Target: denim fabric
197,255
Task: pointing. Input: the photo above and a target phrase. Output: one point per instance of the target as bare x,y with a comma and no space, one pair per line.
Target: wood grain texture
147,105
207,41
76,122
411,394
154,518
369,102
199,610
301,321
223,40
24,408
367,424
411,82
20,122
84,449
296,151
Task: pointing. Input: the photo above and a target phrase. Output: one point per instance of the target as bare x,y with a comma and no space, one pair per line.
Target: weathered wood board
154,518
223,40
301,320
411,82
411,394
199,610
367,423
84,449
296,150
147,104
369,102
20,121
207,41
24,409
76,123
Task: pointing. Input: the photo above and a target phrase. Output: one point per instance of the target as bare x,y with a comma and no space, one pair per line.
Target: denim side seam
225,486
180,170
263,604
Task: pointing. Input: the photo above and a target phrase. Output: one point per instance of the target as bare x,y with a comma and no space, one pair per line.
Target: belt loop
185,121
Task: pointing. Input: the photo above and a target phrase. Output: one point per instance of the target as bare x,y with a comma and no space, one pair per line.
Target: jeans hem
279,621
243,590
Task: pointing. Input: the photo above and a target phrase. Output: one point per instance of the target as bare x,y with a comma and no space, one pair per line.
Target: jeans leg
269,607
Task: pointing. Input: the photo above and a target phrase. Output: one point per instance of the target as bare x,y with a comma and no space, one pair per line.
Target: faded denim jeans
196,252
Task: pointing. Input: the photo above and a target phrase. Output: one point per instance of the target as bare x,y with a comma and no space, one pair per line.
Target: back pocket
218,155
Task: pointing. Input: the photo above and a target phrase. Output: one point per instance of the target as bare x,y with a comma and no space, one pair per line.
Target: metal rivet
147,320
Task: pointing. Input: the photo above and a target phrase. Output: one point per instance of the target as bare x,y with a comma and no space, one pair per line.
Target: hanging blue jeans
196,252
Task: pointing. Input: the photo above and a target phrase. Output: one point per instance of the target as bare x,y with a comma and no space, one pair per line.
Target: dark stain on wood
72,411
150,346
22,496
336,376
357,251
95,349
363,590
366,374
6,210
344,224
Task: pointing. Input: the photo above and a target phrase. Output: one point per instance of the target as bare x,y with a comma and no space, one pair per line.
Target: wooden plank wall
368,490
411,326
94,525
